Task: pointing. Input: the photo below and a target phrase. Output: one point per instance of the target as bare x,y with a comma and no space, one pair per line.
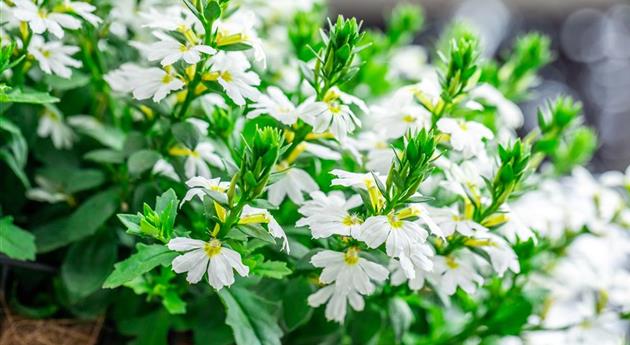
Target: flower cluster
247,170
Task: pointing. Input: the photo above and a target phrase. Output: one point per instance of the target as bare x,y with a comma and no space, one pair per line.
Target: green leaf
15,151
295,308
150,329
14,242
173,302
86,265
32,97
252,318
131,221
236,47
272,269
212,11
166,207
80,180
400,317
105,156
85,221
62,84
187,134
511,316
257,231
145,259
142,161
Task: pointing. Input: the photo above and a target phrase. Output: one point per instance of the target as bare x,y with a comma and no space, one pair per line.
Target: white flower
328,215
197,160
220,262
379,153
357,180
466,137
51,125
502,256
164,168
349,271
337,299
83,10
415,271
252,215
40,20
399,114
230,70
510,114
145,83
321,151
616,178
415,261
452,272
293,183
408,62
54,57
239,28
334,113
397,234
170,50
463,179
198,185
47,191
450,221
278,106
172,18
363,181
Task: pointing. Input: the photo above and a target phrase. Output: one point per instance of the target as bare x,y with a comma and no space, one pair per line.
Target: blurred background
590,40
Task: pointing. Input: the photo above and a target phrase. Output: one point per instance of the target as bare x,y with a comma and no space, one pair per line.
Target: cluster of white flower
589,286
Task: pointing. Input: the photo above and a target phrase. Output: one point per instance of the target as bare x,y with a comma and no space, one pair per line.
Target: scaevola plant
251,172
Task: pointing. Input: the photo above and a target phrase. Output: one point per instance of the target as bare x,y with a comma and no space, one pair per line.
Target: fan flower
466,137
328,215
40,20
54,57
200,257
348,270
170,50
230,70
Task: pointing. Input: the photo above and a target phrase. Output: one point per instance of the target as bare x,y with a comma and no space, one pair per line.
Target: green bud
412,166
258,160
304,34
460,72
405,21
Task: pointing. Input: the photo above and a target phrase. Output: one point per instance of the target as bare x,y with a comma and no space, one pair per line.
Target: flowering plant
246,172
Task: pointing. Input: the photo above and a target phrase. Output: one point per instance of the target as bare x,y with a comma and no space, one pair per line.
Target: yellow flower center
167,79
409,119
334,108
350,220
182,151
394,221
227,76
212,248
351,257
451,263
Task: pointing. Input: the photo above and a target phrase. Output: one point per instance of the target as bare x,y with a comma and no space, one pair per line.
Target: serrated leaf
145,259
